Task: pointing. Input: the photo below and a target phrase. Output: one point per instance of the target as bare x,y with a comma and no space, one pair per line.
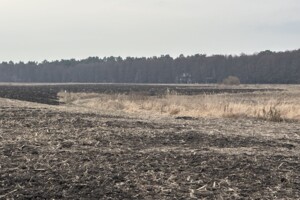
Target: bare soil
51,152
47,94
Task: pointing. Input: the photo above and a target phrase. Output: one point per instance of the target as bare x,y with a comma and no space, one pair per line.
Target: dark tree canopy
263,67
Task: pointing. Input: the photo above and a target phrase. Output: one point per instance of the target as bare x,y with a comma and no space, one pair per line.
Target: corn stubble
96,146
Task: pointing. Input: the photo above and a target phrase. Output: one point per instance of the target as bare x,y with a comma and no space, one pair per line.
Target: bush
273,114
231,80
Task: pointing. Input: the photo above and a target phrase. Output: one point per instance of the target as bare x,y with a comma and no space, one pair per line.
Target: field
149,142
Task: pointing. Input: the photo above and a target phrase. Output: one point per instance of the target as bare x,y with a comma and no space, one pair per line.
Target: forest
265,67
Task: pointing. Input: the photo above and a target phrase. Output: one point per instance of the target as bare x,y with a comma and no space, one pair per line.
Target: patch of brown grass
269,106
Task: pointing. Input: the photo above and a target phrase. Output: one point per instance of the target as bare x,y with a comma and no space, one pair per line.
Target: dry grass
51,152
270,106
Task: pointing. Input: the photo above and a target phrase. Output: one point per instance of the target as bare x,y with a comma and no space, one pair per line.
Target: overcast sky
63,29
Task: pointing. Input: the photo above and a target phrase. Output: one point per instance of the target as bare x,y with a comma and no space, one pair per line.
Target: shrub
273,114
231,80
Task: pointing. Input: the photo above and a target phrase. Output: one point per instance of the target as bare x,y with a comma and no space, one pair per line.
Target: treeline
263,67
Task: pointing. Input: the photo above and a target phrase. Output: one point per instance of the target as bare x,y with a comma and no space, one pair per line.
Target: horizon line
155,56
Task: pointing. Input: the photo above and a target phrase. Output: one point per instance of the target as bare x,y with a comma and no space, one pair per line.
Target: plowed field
54,152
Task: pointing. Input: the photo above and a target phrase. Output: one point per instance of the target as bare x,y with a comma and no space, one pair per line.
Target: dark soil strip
47,94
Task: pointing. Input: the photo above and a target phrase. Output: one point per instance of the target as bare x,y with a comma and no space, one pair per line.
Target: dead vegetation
231,80
87,150
50,154
272,106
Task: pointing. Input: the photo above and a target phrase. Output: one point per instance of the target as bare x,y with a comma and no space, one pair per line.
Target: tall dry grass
270,106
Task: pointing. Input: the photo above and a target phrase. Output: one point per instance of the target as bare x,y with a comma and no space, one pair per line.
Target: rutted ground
49,152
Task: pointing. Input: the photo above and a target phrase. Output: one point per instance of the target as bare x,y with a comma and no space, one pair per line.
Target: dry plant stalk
268,106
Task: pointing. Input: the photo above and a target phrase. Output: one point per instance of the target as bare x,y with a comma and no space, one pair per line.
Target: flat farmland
144,142
47,93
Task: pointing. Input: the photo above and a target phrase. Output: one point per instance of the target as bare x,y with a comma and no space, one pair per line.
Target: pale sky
63,29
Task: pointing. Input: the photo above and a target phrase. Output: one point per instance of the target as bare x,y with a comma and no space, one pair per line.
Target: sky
35,30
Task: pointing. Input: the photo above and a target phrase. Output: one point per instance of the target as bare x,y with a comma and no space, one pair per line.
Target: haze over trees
263,67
